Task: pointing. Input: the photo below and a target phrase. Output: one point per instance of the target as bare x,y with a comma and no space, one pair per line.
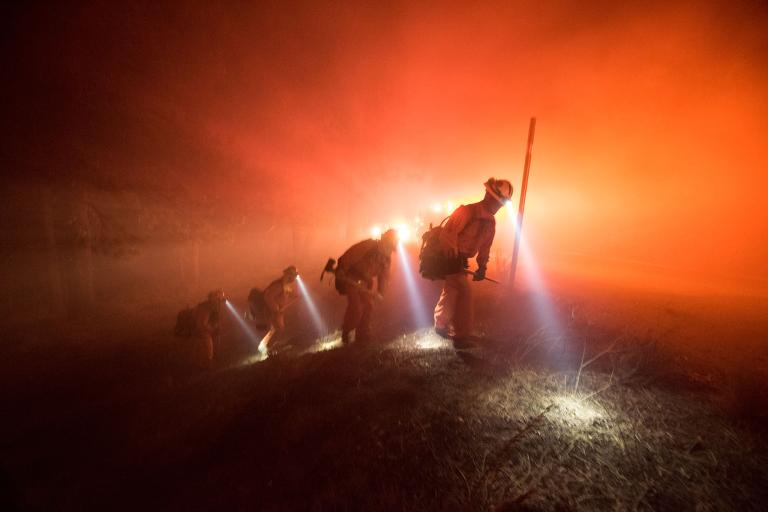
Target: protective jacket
206,320
362,262
470,231
278,294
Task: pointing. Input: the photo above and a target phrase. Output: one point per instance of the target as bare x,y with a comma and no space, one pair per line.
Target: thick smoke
157,125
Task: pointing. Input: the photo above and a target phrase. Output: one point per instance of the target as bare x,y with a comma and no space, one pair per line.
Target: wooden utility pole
521,207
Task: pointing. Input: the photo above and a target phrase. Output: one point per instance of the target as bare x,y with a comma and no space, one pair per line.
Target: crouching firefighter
467,233
267,308
355,274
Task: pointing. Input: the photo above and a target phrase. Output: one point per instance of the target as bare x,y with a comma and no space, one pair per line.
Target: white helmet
501,190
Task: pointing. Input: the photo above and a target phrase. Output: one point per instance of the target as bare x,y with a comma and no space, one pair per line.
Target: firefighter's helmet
501,190
216,296
389,239
291,273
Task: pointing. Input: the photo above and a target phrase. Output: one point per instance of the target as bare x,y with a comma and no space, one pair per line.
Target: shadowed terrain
599,418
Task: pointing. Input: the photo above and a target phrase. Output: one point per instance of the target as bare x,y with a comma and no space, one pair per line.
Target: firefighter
280,294
469,231
206,324
355,274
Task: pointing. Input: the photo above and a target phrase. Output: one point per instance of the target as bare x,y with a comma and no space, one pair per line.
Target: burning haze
205,144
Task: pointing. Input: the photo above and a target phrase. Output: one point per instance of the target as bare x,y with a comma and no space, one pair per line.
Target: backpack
433,263
256,296
185,323
256,310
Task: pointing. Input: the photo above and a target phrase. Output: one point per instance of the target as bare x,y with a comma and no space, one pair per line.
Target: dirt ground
578,402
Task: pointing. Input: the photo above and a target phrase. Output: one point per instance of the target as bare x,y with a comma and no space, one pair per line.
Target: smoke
649,160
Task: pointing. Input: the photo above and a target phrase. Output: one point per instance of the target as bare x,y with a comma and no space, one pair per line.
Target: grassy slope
392,426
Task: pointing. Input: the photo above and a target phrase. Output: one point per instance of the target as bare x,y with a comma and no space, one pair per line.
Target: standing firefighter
272,303
469,231
201,324
355,273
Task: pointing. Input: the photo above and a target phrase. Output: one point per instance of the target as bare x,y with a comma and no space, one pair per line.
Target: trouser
455,308
203,350
276,327
259,314
358,314
277,321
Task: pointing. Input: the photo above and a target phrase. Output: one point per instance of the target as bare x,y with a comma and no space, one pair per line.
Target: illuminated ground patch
576,411
330,341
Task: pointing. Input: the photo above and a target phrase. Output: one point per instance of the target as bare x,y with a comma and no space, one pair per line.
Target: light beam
417,305
543,307
314,313
242,323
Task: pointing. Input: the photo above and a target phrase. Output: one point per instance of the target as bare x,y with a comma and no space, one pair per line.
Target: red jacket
470,231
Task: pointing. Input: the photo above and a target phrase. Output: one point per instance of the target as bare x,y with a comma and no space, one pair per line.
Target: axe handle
484,279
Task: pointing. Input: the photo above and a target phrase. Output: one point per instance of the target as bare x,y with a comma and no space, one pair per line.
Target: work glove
479,274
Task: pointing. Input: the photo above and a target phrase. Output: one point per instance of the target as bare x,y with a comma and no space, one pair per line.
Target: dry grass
412,426
581,419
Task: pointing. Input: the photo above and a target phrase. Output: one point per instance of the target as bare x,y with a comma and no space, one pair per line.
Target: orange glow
403,233
650,163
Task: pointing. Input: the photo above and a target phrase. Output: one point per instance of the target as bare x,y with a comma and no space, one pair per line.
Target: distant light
376,232
437,208
417,219
508,203
403,233
449,207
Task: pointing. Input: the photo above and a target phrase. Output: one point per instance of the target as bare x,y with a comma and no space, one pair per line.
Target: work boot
345,338
443,332
463,343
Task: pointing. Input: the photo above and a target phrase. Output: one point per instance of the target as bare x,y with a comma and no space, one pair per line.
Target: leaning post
521,206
